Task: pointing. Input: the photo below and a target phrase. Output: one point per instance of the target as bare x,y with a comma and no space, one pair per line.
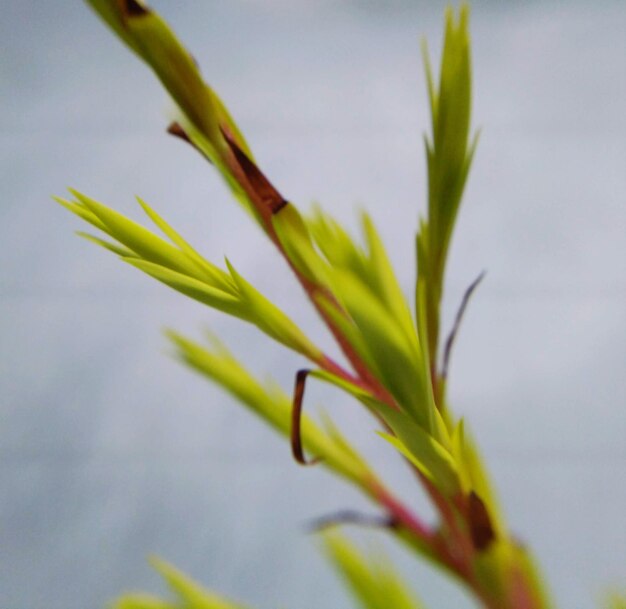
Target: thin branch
457,324
351,517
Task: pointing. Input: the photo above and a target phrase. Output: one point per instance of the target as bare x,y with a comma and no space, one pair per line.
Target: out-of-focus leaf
475,476
354,390
271,404
219,364
374,583
186,593
616,600
385,279
344,446
142,601
191,594
524,562
371,266
349,330
504,563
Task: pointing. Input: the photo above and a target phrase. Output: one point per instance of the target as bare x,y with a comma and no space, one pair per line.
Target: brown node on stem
481,528
263,188
296,420
134,8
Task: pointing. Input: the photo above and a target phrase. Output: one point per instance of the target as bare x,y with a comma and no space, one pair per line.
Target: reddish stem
456,553
267,201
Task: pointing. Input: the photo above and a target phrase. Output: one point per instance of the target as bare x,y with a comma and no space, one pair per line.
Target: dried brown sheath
262,187
296,419
481,528
176,130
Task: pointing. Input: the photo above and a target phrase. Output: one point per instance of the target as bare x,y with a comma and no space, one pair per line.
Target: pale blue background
110,451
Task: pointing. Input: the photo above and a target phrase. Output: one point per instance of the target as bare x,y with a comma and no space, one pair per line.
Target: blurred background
110,451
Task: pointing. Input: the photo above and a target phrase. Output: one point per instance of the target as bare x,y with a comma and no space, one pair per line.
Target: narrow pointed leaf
395,354
373,583
270,404
82,212
192,595
295,238
269,318
142,601
214,275
149,36
107,245
193,288
431,457
139,239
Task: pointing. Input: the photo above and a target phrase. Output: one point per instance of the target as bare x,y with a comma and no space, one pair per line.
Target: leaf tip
175,129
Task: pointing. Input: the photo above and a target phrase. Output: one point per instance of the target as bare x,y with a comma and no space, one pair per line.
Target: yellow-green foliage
392,353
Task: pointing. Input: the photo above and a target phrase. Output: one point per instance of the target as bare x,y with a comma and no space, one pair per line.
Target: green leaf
396,354
269,318
213,274
348,329
182,268
294,236
220,365
192,595
203,114
139,239
342,444
188,594
616,600
354,390
428,455
449,154
372,267
81,212
374,584
142,601
193,288
107,245
271,404
386,283
143,30
502,565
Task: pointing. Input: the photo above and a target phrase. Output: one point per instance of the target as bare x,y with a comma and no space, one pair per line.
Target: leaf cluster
392,353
